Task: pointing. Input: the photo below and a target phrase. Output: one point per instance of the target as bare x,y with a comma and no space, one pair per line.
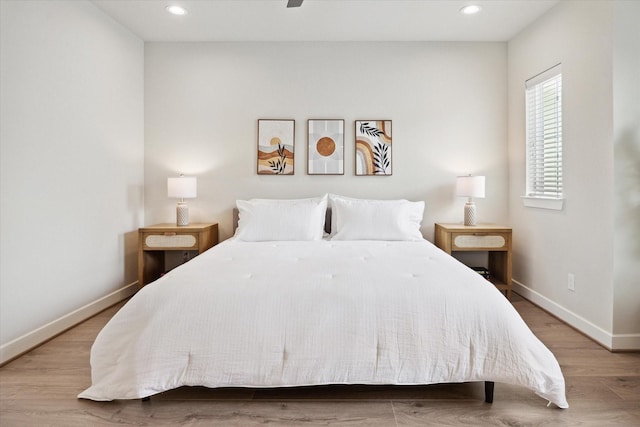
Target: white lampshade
470,186
184,187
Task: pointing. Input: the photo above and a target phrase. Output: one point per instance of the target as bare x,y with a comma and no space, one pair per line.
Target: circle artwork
275,141
326,146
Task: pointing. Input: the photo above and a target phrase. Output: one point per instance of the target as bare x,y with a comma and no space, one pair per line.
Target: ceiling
325,20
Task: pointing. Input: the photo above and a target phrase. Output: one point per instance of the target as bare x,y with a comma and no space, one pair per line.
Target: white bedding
279,314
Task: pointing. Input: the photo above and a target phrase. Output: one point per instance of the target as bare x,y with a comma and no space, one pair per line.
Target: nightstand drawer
474,241
171,240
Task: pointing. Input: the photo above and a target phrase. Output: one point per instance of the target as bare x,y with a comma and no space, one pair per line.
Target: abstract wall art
325,147
275,147
373,147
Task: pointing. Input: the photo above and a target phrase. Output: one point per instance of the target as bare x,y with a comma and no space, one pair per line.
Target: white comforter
278,314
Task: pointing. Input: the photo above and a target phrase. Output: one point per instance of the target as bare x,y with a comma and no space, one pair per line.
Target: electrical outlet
571,282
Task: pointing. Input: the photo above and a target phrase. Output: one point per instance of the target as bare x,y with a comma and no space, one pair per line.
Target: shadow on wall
130,241
627,193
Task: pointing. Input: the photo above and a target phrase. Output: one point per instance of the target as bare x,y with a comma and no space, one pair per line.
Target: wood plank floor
603,389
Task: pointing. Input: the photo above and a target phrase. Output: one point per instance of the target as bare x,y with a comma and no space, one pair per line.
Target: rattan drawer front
479,241
171,241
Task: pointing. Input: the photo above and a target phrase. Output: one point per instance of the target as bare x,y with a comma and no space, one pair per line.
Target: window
544,139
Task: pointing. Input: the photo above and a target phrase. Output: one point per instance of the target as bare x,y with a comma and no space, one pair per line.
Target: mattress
283,314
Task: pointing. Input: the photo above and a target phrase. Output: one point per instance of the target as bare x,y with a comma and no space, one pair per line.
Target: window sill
543,203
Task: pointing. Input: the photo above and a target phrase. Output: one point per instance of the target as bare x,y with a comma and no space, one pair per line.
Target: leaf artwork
275,147
380,157
278,166
370,130
373,147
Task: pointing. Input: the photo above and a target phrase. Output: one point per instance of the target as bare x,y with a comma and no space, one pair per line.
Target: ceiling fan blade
294,3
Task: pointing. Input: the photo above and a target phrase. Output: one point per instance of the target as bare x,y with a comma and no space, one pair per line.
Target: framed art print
325,147
275,147
373,147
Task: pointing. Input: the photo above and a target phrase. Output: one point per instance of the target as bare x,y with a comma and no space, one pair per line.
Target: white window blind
544,134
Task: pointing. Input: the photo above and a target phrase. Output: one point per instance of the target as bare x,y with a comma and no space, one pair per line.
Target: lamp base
470,213
182,214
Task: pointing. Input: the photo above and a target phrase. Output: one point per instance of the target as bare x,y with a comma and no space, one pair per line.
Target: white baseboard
22,344
626,342
610,341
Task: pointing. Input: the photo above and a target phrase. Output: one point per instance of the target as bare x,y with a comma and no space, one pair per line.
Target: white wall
548,245
72,148
447,102
626,132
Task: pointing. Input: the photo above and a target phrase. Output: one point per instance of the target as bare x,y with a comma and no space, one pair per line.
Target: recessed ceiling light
470,9
176,10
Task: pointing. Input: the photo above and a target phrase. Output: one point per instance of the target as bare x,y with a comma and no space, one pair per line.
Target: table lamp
182,187
470,186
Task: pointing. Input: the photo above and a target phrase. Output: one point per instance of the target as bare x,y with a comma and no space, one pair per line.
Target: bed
276,307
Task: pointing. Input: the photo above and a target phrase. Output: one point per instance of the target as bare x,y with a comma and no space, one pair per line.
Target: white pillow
334,213
376,219
262,220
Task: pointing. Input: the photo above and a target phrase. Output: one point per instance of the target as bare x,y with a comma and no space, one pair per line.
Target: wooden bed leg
488,391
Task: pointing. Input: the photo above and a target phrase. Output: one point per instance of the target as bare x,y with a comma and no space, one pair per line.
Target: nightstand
491,238
155,240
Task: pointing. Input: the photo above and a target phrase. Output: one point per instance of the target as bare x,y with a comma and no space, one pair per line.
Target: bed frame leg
488,391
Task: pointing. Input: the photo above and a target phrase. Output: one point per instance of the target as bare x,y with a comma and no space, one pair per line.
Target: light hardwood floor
603,389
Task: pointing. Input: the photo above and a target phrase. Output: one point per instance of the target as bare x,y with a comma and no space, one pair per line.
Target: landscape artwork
373,147
325,147
275,147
